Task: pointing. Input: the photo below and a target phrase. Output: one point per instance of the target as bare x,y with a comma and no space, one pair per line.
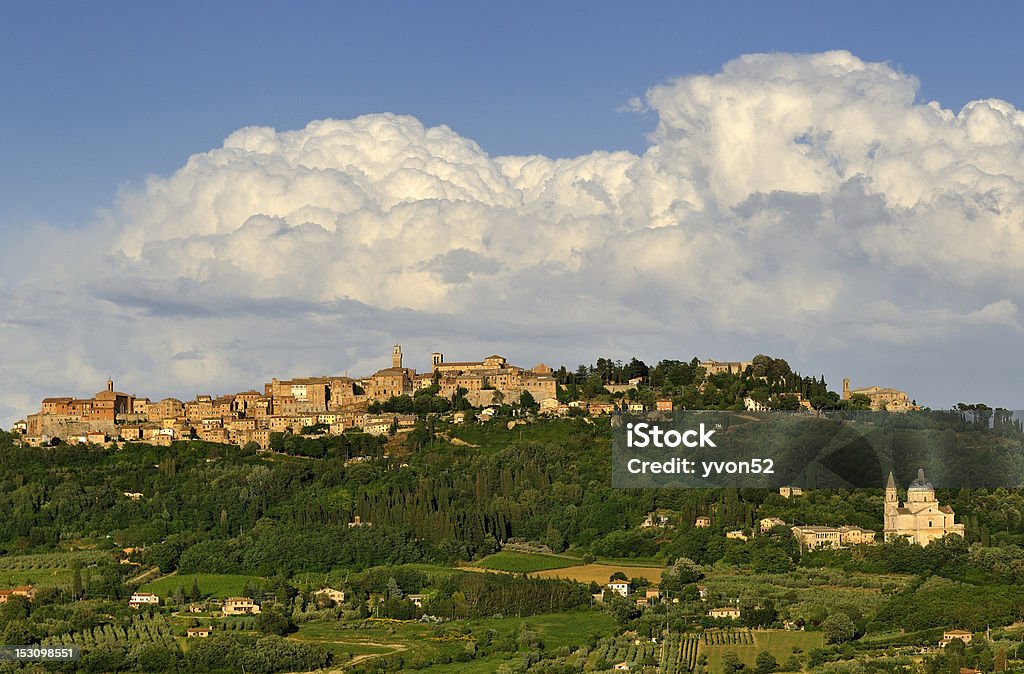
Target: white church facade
920,519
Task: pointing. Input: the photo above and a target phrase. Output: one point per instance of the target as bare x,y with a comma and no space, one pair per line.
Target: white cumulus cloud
809,205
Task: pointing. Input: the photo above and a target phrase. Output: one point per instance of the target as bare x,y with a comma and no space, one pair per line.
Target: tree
765,663
838,628
273,620
526,401
731,662
76,583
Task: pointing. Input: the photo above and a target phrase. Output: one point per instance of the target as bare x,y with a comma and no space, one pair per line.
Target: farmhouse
769,523
240,606
198,632
330,594
26,591
143,599
949,635
725,612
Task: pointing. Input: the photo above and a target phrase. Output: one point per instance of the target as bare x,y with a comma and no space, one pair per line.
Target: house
636,408
622,587
622,667
664,405
330,594
133,495
949,635
787,491
26,591
416,599
357,521
702,522
196,608
655,519
737,535
459,418
641,602
652,593
240,606
752,405
814,537
702,592
198,632
730,612
143,599
20,427
549,405
769,523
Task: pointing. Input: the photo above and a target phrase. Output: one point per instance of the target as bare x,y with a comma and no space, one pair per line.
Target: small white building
725,612
143,599
329,593
240,606
622,587
769,523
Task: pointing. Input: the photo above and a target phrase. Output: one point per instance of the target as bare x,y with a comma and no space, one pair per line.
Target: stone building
921,518
882,399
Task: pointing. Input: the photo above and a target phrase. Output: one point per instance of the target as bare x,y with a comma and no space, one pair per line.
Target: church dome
921,483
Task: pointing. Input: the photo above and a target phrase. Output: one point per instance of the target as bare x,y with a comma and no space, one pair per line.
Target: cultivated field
600,573
212,584
748,643
47,570
525,562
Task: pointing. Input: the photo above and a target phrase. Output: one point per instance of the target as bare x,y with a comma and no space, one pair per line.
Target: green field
525,562
47,570
210,584
779,643
412,638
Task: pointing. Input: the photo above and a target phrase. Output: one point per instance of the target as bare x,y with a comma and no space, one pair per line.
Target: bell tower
396,356
892,504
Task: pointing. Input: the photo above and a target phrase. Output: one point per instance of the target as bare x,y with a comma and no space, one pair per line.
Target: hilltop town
336,404
462,519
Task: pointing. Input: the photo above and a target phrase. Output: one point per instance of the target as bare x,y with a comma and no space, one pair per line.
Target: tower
892,504
436,359
110,385
846,394
396,356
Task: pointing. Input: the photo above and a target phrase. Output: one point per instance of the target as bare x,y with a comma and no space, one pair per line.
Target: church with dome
920,519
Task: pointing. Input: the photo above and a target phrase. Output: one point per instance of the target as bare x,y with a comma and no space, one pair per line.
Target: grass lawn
212,584
779,643
525,562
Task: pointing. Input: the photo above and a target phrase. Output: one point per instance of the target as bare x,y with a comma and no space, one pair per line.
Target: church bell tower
396,356
892,504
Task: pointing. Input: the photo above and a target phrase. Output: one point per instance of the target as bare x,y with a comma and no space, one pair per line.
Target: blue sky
799,197
98,95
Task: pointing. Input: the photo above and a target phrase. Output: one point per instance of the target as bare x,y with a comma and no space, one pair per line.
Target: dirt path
146,575
356,659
